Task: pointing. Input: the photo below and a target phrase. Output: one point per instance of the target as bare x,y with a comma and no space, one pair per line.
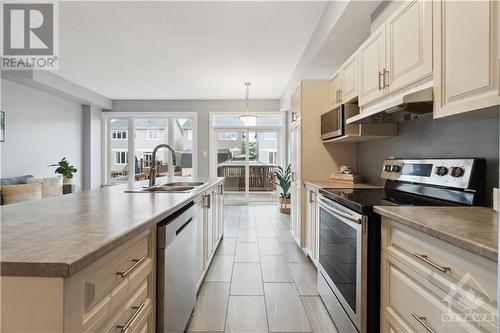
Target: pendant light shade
247,118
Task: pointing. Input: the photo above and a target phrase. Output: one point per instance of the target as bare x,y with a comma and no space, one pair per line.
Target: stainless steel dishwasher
176,276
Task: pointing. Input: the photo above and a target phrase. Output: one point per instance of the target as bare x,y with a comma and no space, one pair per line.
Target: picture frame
2,126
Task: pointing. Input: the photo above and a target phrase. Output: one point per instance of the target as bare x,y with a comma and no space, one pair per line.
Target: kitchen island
79,262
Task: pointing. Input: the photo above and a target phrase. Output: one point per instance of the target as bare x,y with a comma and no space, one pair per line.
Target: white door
371,67
466,56
409,44
349,79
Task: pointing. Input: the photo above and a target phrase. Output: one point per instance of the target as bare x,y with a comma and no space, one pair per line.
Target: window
190,135
272,157
228,136
121,157
147,159
119,134
269,136
153,135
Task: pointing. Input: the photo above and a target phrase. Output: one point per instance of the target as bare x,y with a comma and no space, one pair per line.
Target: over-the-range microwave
332,123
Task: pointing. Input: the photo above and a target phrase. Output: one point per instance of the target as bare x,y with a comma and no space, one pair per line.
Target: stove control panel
455,173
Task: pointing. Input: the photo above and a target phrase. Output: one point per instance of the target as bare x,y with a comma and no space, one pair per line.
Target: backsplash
475,134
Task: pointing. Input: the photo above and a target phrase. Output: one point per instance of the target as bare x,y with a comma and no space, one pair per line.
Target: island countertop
474,229
58,236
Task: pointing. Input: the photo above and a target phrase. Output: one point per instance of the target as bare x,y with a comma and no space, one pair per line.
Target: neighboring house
266,142
148,134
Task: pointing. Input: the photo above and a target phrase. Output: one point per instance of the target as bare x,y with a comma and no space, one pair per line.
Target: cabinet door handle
426,259
137,262
221,189
206,201
422,322
386,79
340,95
138,309
380,83
312,197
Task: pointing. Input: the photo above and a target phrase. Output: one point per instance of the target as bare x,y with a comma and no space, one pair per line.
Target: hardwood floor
260,280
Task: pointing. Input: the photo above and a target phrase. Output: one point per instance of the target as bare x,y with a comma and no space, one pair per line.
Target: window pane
150,132
117,170
182,130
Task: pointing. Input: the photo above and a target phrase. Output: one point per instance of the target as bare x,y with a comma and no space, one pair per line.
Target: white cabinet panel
349,79
334,91
409,44
371,67
466,56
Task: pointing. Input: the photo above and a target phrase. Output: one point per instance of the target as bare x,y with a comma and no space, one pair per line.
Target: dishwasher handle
178,231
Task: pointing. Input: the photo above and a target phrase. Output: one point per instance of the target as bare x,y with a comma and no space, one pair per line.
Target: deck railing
262,177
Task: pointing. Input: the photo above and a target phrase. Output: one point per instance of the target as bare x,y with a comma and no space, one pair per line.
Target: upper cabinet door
349,79
466,56
409,44
371,67
334,89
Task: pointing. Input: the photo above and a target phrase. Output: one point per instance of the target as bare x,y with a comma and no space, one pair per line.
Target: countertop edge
464,244
66,270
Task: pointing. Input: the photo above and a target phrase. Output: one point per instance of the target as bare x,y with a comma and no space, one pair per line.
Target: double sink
170,187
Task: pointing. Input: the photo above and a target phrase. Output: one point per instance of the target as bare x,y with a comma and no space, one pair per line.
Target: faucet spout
152,174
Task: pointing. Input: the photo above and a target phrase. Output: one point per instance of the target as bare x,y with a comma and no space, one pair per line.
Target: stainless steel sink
184,184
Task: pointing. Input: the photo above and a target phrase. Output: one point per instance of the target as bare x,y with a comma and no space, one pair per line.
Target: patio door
248,158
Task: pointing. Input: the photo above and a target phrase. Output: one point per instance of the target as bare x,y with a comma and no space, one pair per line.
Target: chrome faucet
152,173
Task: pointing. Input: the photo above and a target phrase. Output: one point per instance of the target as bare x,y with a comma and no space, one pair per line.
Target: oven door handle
339,213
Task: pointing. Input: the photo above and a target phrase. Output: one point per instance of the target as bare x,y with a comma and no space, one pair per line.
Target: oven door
342,257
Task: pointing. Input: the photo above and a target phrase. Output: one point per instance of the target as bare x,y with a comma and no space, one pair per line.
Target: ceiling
184,50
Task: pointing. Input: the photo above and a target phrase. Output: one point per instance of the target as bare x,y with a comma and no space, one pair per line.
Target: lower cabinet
431,286
312,225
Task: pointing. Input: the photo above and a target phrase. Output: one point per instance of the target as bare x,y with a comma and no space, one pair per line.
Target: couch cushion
15,180
21,192
51,187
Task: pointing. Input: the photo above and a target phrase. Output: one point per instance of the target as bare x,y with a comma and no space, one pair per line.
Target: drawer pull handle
137,262
422,322
426,259
138,309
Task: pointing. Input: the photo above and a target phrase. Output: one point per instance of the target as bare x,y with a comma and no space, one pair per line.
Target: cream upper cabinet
349,79
334,91
371,67
466,56
409,44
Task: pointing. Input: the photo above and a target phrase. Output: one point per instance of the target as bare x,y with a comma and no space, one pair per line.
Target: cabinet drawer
132,315
418,306
100,289
450,268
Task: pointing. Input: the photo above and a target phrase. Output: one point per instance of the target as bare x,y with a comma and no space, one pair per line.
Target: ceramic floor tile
265,232
293,253
230,231
231,221
285,311
284,236
220,269
247,252
247,236
246,224
246,314
227,246
306,278
275,269
210,309
280,224
318,315
247,279
269,246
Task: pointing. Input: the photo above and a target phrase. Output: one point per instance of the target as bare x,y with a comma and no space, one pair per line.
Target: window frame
233,136
155,137
121,132
125,157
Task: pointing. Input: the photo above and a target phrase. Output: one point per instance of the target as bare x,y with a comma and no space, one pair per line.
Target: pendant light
247,118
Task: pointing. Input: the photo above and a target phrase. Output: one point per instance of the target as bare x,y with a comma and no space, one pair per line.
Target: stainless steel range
349,235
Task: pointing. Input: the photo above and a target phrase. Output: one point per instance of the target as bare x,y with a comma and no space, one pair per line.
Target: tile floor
259,279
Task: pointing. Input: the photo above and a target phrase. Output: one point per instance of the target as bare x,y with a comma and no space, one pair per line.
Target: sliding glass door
247,156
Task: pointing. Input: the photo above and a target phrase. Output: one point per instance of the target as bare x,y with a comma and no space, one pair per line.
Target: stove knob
441,171
395,168
457,172
387,168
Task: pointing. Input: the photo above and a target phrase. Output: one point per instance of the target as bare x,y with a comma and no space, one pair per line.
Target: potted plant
284,182
65,169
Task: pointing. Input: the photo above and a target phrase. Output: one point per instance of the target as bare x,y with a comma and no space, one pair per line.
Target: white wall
91,171
40,129
203,109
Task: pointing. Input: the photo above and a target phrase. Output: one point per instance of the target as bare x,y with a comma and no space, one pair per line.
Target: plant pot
69,181
285,205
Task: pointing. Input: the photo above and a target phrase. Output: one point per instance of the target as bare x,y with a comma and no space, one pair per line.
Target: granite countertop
328,184
58,236
474,229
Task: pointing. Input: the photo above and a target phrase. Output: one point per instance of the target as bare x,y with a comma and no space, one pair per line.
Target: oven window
337,255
